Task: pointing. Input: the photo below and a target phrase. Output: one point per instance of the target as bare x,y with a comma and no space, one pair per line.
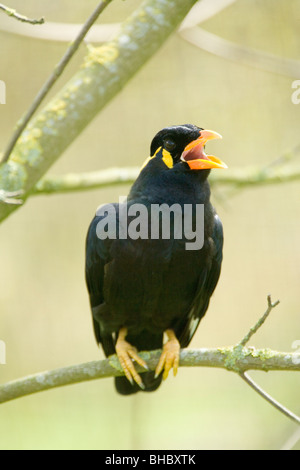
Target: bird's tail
145,341
124,387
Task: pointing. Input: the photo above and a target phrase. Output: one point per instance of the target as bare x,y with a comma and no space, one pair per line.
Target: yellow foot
170,356
126,354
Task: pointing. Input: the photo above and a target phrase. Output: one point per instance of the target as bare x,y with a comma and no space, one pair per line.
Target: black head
185,145
174,139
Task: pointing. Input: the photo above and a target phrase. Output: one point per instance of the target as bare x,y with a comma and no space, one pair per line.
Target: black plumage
144,287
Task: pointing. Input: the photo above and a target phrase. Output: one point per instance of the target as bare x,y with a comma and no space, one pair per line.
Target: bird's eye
169,144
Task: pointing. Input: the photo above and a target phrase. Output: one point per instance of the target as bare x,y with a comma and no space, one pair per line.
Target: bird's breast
151,283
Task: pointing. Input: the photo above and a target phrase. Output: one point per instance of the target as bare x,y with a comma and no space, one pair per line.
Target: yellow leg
170,356
126,354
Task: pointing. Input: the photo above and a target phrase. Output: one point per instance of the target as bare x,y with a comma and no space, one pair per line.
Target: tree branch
270,399
260,322
65,32
291,440
59,69
243,55
201,12
85,181
248,379
104,73
11,12
61,32
238,359
226,358
239,178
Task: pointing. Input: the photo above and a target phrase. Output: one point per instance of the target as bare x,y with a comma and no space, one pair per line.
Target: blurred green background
45,318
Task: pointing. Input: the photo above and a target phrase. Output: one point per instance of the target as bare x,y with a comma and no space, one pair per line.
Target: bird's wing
206,286
97,256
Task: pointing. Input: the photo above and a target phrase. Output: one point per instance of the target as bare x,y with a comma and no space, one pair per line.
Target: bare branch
270,399
246,377
53,78
238,178
260,322
226,358
238,359
86,181
11,12
65,32
104,72
243,55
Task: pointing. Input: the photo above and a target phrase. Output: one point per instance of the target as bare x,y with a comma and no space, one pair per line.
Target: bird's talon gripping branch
127,354
170,356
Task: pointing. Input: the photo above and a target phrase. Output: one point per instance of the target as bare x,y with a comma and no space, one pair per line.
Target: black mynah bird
145,275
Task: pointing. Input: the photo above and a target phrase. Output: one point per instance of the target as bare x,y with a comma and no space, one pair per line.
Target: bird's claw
127,354
170,356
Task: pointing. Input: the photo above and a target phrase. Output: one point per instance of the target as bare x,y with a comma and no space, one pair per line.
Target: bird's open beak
195,156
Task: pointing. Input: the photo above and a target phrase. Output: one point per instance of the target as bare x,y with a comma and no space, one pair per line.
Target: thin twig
201,12
53,78
260,322
246,377
242,55
11,12
61,32
270,399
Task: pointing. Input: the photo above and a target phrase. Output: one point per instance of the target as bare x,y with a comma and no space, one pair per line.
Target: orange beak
195,156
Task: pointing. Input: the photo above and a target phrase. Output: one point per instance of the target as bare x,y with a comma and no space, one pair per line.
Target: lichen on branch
226,358
99,79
